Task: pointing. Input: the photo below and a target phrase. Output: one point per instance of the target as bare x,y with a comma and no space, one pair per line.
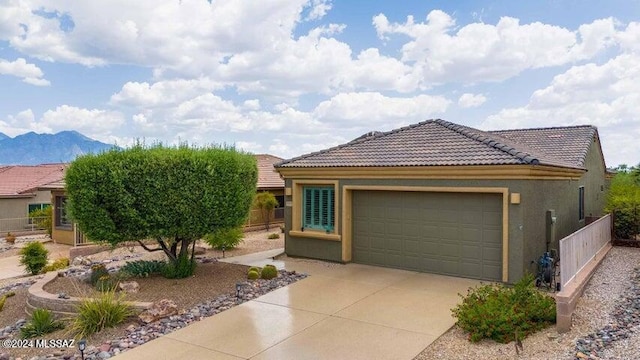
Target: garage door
457,234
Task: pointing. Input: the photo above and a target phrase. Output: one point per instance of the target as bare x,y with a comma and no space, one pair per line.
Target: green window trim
318,208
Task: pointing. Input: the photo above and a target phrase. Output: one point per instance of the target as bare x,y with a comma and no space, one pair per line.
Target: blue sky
288,77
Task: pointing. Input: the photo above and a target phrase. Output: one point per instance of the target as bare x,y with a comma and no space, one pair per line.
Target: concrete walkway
340,312
10,266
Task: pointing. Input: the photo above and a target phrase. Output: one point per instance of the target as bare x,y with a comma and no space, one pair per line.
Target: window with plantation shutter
318,208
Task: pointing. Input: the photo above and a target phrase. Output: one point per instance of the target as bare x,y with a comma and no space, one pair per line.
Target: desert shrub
43,219
497,312
34,257
180,269
97,271
226,237
56,265
266,202
106,283
269,272
143,268
274,236
253,275
94,314
42,322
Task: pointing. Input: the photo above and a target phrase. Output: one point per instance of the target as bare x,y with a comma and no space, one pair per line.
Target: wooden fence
577,249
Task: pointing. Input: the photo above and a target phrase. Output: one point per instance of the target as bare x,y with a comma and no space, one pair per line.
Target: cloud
602,95
484,52
319,8
94,123
30,73
468,100
162,93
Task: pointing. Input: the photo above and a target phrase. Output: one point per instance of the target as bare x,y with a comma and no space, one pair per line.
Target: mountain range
33,149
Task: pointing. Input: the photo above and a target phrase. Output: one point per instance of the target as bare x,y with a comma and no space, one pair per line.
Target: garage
457,234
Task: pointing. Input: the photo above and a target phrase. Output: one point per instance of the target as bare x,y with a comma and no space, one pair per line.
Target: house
20,193
443,198
66,232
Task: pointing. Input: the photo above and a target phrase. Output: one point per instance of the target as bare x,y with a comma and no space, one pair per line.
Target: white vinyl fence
577,249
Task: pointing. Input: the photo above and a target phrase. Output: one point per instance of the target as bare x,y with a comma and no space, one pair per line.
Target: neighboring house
443,198
66,232
20,193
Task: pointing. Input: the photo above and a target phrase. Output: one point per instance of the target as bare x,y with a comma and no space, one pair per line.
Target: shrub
253,275
269,272
274,236
10,294
266,202
95,314
42,322
143,268
623,200
43,219
496,311
106,283
3,299
56,265
34,257
182,268
98,271
227,237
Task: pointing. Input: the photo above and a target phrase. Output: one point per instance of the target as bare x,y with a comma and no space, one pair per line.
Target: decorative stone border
37,297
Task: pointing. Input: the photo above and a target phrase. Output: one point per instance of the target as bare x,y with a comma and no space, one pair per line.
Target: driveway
339,312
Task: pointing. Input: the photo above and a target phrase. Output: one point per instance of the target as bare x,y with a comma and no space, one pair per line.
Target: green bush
34,257
97,271
274,236
624,201
143,268
182,268
253,275
106,283
227,237
56,265
42,322
94,314
266,202
496,311
269,272
43,219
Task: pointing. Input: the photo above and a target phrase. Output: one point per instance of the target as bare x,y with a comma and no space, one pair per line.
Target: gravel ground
593,312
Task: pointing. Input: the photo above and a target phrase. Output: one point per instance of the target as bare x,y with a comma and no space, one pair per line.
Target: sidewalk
10,266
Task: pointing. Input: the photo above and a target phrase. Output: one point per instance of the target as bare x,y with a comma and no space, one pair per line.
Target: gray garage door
457,234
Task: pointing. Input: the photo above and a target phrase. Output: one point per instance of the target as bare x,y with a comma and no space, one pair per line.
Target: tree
266,202
173,195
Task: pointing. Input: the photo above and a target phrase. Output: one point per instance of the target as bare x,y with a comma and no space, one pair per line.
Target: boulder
129,286
159,310
199,250
78,260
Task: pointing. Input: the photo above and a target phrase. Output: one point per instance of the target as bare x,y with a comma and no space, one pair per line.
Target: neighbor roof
20,180
439,142
268,178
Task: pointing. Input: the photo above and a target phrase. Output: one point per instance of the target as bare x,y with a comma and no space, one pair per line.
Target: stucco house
20,193
443,198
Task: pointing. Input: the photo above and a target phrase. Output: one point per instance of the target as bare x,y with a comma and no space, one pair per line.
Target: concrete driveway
340,312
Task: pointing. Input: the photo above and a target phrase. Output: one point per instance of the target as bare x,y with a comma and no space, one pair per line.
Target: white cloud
319,8
162,93
602,95
468,100
95,123
30,73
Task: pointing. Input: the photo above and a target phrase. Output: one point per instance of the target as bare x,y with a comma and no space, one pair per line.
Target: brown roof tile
434,143
19,180
268,178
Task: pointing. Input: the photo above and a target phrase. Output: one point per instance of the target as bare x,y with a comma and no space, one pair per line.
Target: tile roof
439,142
268,178
22,180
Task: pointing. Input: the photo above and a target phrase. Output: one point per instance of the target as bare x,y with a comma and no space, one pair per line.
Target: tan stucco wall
19,207
58,234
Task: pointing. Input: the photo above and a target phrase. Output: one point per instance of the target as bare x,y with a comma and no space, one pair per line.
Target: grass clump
498,312
56,265
273,236
269,272
225,238
143,268
4,298
180,269
34,257
42,322
94,314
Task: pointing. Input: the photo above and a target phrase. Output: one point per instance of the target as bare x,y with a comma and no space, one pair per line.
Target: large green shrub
143,268
42,322
34,257
94,314
497,312
624,202
224,238
43,219
174,196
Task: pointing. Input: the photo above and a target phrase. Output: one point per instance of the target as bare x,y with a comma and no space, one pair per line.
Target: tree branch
147,248
165,249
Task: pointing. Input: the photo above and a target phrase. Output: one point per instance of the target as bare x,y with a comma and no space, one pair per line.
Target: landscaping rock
159,310
129,286
199,250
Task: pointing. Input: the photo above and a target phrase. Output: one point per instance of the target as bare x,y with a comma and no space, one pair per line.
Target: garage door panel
457,234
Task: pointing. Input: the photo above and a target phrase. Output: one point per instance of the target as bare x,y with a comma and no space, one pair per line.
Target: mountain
33,149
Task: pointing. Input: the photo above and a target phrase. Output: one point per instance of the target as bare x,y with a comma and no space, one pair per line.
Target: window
33,207
581,203
318,208
61,212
